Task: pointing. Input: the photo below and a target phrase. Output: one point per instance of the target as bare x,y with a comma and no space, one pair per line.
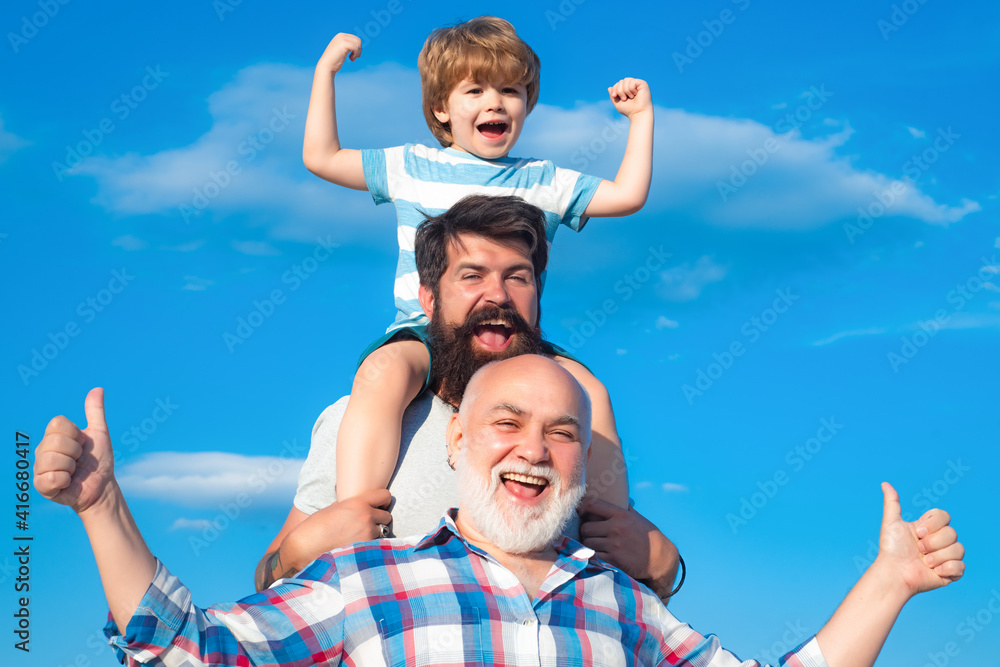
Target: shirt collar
473,157
566,547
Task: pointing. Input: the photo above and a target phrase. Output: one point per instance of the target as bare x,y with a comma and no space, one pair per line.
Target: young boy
480,81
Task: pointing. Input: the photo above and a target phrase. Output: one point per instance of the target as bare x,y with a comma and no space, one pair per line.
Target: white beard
512,528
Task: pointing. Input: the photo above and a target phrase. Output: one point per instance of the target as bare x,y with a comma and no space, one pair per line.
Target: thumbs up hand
925,553
76,467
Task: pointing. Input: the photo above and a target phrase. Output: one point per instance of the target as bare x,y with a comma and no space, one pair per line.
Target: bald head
540,376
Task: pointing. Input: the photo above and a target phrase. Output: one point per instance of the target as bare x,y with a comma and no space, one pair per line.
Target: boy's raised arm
627,193
75,467
321,151
912,558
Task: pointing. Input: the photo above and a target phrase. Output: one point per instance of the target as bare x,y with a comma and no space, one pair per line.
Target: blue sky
808,304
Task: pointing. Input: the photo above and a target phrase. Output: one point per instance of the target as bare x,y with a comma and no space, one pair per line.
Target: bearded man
494,583
479,265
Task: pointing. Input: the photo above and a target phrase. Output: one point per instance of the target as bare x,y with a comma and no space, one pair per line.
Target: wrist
109,506
641,116
884,577
665,583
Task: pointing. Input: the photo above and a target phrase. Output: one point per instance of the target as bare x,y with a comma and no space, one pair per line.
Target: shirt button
528,621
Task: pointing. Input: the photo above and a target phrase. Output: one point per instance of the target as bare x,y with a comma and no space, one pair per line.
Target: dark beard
454,357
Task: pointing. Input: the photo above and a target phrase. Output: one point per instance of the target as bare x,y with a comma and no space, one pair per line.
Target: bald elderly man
493,584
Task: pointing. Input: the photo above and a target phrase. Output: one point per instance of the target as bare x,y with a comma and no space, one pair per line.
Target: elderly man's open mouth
523,486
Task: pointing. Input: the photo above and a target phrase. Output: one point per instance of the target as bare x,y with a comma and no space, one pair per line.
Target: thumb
890,505
94,409
376,497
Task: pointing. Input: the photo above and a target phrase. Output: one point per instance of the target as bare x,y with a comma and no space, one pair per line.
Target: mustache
515,323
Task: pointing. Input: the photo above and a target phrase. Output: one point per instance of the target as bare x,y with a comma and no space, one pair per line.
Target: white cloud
801,184
130,243
671,487
872,331
208,479
196,284
685,283
256,248
665,323
961,321
191,524
917,134
257,126
10,143
190,246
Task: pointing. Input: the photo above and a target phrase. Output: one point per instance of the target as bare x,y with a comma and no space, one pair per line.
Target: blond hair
485,48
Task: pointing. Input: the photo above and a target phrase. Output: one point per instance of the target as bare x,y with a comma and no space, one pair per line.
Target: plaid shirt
427,600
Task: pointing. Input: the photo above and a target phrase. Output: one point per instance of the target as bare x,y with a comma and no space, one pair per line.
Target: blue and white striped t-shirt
422,181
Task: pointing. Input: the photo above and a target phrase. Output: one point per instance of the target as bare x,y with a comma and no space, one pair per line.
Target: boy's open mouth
493,129
494,334
524,486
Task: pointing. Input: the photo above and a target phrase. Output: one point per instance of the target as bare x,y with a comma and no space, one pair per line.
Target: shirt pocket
433,636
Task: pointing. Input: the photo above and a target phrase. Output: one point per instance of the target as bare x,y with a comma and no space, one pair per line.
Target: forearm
636,171
270,569
627,193
855,633
662,580
124,561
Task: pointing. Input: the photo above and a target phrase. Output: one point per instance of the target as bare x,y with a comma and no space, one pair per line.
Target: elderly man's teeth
525,479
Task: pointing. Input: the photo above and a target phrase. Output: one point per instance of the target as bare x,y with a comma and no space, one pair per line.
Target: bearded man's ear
426,298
